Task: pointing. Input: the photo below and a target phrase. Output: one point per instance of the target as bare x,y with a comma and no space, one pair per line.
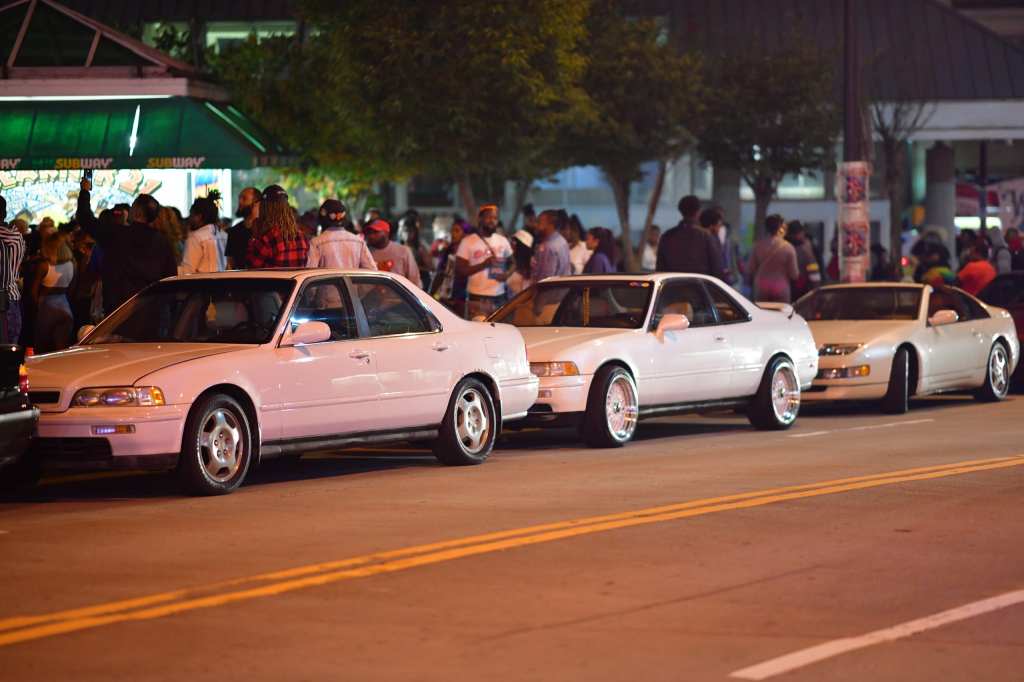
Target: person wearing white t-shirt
484,260
204,249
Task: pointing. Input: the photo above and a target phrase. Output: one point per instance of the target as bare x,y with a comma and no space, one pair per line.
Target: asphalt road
855,546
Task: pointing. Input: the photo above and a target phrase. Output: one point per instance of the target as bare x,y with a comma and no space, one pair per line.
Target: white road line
815,654
869,427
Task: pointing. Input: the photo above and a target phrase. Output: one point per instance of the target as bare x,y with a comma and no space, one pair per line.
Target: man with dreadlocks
277,241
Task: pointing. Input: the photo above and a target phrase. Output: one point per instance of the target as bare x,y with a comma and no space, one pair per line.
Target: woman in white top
204,249
54,321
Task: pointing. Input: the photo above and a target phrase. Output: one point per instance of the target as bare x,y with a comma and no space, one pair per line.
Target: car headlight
119,396
839,349
554,369
845,372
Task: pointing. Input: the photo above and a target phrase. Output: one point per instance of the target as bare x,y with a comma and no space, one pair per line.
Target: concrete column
401,197
725,192
940,193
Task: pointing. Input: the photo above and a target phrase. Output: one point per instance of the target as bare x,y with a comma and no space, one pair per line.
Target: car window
728,310
974,310
616,304
684,298
326,301
947,299
388,310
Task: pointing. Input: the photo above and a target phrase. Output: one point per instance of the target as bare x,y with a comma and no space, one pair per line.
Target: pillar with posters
854,223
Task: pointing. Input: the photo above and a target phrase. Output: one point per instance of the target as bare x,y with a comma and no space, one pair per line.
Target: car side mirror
671,323
308,332
943,317
84,331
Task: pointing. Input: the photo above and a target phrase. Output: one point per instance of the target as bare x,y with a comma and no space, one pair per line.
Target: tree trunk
522,189
895,159
655,199
466,195
764,192
620,188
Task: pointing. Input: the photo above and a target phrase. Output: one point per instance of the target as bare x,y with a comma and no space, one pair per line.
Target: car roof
873,285
628,277
275,273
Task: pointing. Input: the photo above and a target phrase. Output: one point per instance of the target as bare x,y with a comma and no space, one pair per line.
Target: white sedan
610,350
887,342
210,374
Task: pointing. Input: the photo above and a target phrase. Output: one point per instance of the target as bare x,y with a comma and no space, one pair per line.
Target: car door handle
720,339
359,355
440,346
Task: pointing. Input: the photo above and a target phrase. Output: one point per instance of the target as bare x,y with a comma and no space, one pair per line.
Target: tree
777,116
646,103
452,88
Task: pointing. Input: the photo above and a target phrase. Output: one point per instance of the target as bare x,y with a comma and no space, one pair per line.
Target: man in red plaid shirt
277,240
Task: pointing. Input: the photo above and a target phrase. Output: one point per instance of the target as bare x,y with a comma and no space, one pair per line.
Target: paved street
703,550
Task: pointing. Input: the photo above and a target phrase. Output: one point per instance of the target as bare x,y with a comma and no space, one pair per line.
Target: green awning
171,132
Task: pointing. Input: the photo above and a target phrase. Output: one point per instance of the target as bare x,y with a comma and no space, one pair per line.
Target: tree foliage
453,88
645,104
775,114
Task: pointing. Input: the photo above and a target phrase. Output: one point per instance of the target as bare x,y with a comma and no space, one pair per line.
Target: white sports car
886,341
610,350
210,374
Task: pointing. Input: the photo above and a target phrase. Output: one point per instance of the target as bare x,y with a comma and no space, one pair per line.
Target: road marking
869,427
815,654
25,628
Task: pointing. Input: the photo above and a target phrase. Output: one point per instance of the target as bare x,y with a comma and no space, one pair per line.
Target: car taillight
23,379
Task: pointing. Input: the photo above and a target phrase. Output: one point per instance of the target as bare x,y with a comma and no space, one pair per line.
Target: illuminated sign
175,162
94,163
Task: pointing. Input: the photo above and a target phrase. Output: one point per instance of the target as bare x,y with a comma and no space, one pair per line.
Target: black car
17,420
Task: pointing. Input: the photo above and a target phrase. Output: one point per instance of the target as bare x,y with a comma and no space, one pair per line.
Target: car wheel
997,375
216,449
897,397
470,426
612,409
777,402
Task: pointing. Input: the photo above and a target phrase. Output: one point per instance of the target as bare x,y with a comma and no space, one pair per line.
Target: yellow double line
25,628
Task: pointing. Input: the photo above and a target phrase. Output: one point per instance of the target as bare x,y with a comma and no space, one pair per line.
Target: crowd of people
56,279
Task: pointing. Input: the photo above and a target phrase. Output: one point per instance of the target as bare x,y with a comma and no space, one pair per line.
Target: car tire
777,403
470,426
997,375
21,474
216,448
897,396
613,408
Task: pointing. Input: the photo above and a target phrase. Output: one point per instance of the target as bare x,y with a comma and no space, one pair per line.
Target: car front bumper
77,438
844,389
560,396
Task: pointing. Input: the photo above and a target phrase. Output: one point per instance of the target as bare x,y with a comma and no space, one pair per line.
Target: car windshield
861,303
198,311
618,305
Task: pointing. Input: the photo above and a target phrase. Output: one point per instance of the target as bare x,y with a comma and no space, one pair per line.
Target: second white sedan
888,342
610,350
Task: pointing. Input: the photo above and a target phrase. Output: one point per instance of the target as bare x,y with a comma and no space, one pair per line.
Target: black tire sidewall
762,412
190,469
988,391
897,395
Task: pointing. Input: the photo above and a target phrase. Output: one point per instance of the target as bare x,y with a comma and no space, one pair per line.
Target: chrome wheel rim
620,408
785,394
999,371
221,448
472,424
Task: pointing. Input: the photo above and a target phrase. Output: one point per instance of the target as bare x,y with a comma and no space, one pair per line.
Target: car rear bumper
517,395
78,438
16,429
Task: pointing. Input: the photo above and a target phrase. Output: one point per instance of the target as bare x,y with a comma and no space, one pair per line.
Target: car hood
859,331
115,364
545,344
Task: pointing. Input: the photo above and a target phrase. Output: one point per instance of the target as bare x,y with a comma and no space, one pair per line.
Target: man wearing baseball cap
336,247
388,255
